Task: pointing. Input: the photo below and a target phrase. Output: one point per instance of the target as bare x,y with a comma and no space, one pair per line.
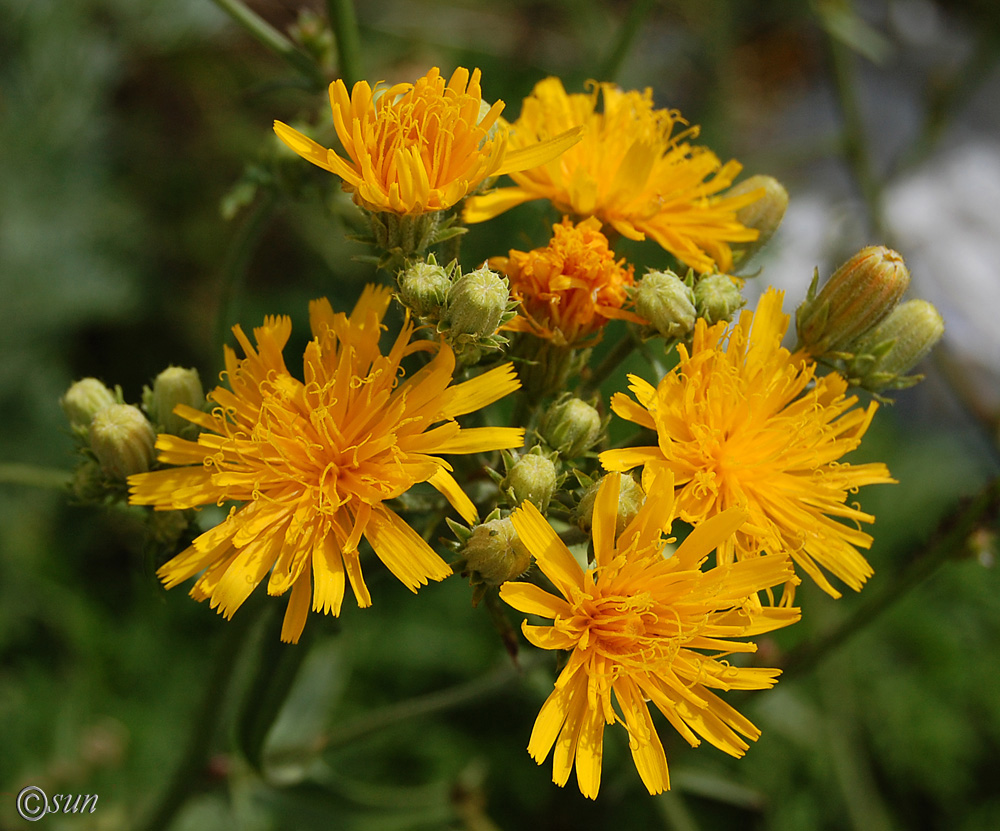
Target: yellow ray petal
538,154
551,553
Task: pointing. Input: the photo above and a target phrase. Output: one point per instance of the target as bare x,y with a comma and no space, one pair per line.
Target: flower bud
570,427
531,478
122,440
666,302
895,346
630,499
423,287
175,385
85,399
88,484
854,300
716,297
495,552
764,214
476,303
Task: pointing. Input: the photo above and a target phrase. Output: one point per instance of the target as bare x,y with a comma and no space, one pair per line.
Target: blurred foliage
124,127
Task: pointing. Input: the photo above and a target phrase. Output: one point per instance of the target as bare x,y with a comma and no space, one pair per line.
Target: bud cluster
856,324
117,439
468,309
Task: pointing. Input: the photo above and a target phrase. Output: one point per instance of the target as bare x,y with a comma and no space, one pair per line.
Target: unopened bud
667,303
570,427
122,440
496,552
476,303
85,399
175,385
531,478
858,295
630,499
423,287
716,298
88,483
764,214
884,355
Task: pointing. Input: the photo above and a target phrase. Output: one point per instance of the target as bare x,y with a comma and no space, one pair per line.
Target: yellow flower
630,170
644,627
568,290
314,462
747,424
417,148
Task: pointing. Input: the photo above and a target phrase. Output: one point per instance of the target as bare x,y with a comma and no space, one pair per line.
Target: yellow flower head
747,424
314,462
568,290
643,627
417,148
630,170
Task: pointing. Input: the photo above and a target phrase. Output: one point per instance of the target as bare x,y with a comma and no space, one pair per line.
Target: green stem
202,727
951,535
947,99
626,37
344,23
270,37
33,476
429,704
674,812
238,259
855,145
619,352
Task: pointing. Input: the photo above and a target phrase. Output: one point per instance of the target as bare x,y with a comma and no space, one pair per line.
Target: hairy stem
619,352
344,23
201,729
238,259
637,14
33,476
270,37
855,144
951,535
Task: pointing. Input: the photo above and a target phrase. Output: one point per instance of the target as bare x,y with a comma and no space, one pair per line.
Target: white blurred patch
946,221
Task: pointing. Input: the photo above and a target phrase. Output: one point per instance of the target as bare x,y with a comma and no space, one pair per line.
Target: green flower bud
531,478
716,298
85,399
570,427
175,385
88,483
495,552
476,303
667,303
423,287
630,499
895,346
765,214
858,295
122,440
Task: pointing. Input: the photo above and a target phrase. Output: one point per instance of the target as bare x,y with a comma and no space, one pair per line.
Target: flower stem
424,705
238,258
202,725
619,352
626,37
266,34
951,535
344,23
33,476
855,145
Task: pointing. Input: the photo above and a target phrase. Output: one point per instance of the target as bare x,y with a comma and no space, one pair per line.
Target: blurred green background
144,199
